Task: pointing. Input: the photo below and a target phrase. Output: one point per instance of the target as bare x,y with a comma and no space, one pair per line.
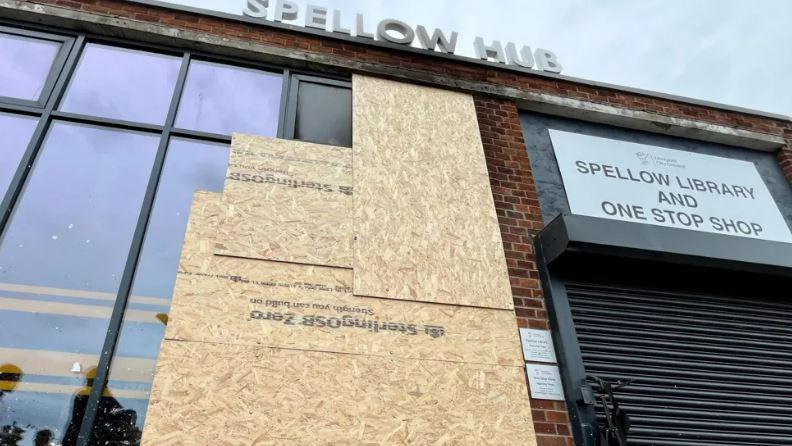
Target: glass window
190,166
61,259
224,99
65,247
26,63
122,84
15,133
324,114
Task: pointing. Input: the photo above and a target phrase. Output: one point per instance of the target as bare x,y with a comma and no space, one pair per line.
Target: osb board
242,301
240,395
288,201
199,238
255,302
424,217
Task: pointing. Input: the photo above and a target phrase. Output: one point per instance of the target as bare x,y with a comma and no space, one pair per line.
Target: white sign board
646,184
545,382
537,345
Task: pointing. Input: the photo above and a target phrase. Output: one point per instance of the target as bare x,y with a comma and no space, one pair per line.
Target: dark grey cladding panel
552,197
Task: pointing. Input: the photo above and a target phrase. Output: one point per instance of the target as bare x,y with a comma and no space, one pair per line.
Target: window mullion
58,67
117,317
283,114
15,187
203,136
106,122
21,109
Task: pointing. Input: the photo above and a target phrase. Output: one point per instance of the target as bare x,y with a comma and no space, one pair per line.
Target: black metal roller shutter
708,370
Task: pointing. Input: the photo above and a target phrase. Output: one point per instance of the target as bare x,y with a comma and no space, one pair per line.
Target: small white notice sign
647,184
537,345
545,382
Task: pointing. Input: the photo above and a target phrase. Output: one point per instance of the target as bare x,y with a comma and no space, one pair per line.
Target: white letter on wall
438,40
256,8
547,60
359,31
494,51
316,17
524,59
407,33
285,10
337,28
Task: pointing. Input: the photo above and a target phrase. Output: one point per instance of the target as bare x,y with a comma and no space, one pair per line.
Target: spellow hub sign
400,33
653,185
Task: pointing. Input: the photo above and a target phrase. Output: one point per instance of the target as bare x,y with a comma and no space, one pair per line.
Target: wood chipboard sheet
424,216
288,201
201,233
233,300
243,395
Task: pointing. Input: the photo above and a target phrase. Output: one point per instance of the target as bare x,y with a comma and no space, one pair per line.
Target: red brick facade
512,183
785,158
517,204
452,68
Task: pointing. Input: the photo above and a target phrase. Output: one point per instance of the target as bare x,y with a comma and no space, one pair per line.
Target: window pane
15,133
61,260
224,99
122,84
190,166
26,62
324,114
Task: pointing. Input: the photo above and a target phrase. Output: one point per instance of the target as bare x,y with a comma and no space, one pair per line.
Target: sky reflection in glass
125,84
25,63
224,99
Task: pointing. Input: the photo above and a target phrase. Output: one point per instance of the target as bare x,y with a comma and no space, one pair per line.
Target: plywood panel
424,217
239,395
255,302
200,236
289,201
236,300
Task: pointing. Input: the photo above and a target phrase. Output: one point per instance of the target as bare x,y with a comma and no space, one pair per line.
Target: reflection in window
26,63
61,259
64,249
15,133
224,99
122,84
324,114
190,166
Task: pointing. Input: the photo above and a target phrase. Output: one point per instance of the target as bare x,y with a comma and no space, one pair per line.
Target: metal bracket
587,394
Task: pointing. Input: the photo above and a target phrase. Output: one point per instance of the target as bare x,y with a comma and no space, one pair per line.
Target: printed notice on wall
545,382
537,345
646,184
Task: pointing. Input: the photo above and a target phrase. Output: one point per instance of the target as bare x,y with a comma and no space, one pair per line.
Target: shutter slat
708,370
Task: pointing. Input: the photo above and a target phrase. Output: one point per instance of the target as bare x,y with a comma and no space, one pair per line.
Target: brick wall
785,159
517,204
455,68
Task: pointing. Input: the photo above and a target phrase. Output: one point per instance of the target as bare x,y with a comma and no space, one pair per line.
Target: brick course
517,205
453,68
785,160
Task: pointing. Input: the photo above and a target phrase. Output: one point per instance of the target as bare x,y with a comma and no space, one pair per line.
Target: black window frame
66,45
46,110
292,93
240,63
